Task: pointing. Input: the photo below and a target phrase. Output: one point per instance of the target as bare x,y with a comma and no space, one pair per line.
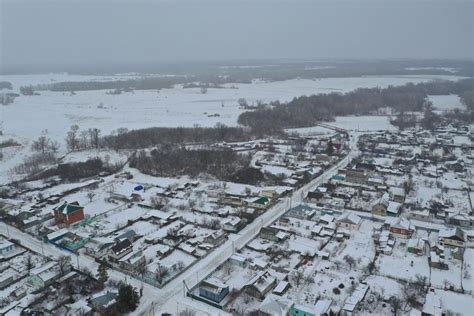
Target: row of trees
77,170
149,137
306,110
86,139
467,98
170,160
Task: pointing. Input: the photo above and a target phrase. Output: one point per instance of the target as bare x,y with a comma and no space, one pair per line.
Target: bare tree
248,191
84,140
161,272
246,298
90,196
187,312
396,304
41,144
63,263
228,268
29,262
71,138
297,277
180,266
242,103
141,269
350,261
94,134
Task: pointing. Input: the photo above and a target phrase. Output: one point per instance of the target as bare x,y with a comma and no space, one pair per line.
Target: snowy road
174,291
171,297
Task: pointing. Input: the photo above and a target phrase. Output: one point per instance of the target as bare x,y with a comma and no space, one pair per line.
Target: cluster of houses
381,186
31,284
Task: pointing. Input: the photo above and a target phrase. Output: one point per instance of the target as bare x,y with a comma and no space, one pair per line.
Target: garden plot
94,202
458,201
359,246
329,282
402,265
425,190
117,219
446,279
452,181
175,257
303,245
384,286
455,302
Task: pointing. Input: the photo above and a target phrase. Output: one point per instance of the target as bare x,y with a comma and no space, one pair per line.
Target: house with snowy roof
322,307
262,283
6,247
213,289
120,249
102,301
301,211
44,275
234,224
401,227
349,220
384,206
454,237
460,219
397,194
260,203
68,213
274,305
351,303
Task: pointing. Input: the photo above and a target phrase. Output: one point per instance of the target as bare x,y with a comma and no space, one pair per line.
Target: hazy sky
80,32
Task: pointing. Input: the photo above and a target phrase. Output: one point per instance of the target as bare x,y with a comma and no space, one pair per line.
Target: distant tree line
467,98
77,170
172,160
149,137
307,110
145,83
6,85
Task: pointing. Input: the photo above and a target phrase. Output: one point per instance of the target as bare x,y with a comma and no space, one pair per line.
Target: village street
171,297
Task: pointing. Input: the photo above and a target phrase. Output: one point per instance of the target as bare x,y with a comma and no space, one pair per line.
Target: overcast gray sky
52,32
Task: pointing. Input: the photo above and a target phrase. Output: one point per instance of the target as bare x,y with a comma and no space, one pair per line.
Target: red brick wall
76,217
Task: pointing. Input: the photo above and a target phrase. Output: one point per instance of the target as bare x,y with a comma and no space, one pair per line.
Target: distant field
57,111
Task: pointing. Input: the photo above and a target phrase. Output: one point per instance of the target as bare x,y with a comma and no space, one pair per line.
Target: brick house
68,213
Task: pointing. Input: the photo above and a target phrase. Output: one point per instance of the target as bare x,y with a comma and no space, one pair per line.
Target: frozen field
57,111
446,102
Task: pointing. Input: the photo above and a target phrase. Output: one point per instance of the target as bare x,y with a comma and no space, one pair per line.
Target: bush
336,291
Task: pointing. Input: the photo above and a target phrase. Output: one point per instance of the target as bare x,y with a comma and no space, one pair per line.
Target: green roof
68,208
263,200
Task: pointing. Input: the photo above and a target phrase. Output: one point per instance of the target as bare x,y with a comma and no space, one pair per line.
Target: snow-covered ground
57,111
446,102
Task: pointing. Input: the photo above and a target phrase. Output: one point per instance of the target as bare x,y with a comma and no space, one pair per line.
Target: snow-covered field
57,111
446,102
